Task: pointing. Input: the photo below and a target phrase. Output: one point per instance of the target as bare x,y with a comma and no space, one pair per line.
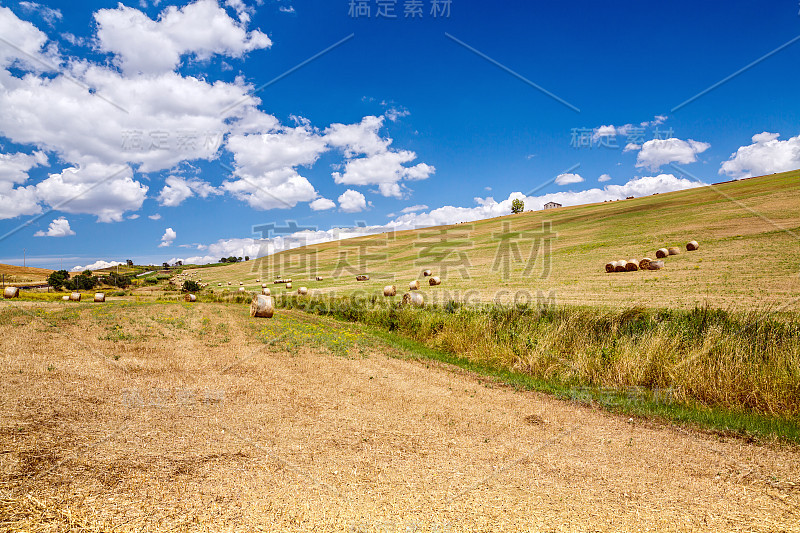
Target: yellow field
16,274
131,417
748,232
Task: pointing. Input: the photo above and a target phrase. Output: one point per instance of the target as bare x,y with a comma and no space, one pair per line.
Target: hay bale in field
631,265
319,278
302,291
263,285
662,253
435,280
413,286
362,277
190,298
65,298
262,306
426,273
11,292
645,263
390,290
258,280
620,265
674,250
241,289
656,265
241,283
99,297
75,297
265,291
289,285
610,267
229,283
413,298
691,246
219,284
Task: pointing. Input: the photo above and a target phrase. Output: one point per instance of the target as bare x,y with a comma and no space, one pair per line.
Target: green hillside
748,231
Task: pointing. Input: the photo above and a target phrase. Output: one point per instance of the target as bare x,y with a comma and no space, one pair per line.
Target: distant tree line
233,259
85,280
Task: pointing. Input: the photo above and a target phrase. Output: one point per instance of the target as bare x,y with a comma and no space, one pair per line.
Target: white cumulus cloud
658,152
322,204
58,228
168,237
97,265
766,155
568,178
352,201
604,177
178,189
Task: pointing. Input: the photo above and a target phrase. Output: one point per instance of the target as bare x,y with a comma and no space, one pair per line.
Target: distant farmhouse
551,205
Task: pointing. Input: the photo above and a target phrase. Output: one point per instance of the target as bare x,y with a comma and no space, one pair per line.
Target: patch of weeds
116,333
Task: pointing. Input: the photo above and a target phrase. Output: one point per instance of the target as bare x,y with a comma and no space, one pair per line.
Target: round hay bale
258,280
362,277
65,298
674,250
413,286
413,298
610,267
241,289
302,291
645,263
288,280
219,284
263,285
656,265
435,280
632,265
190,298
75,297
390,290
99,297
691,246
262,306
319,278
11,292
265,291
289,285
426,273
662,253
620,265
229,283
241,283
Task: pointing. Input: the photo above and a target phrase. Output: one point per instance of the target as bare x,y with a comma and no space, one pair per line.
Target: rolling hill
748,231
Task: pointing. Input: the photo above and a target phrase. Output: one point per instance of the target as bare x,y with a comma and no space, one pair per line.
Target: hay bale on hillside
390,290
362,277
262,307
674,250
610,267
620,265
662,253
265,291
644,264
426,273
229,283
413,298
435,280
656,265
75,297
318,278
241,289
190,298
413,286
11,292
99,297
631,265
289,285
263,285
65,298
692,246
241,283
302,291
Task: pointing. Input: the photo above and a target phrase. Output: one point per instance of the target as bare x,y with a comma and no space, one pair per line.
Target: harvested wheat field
195,417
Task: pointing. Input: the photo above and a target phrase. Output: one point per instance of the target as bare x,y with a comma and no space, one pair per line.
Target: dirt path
190,432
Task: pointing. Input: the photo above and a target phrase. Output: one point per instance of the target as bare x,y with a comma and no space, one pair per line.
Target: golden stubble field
177,417
748,232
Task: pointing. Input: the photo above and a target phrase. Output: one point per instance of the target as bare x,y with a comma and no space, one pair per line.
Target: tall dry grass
733,360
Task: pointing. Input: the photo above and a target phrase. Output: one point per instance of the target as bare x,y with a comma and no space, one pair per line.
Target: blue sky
114,142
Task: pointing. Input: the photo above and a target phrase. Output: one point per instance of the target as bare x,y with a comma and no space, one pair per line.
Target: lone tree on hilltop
517,206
